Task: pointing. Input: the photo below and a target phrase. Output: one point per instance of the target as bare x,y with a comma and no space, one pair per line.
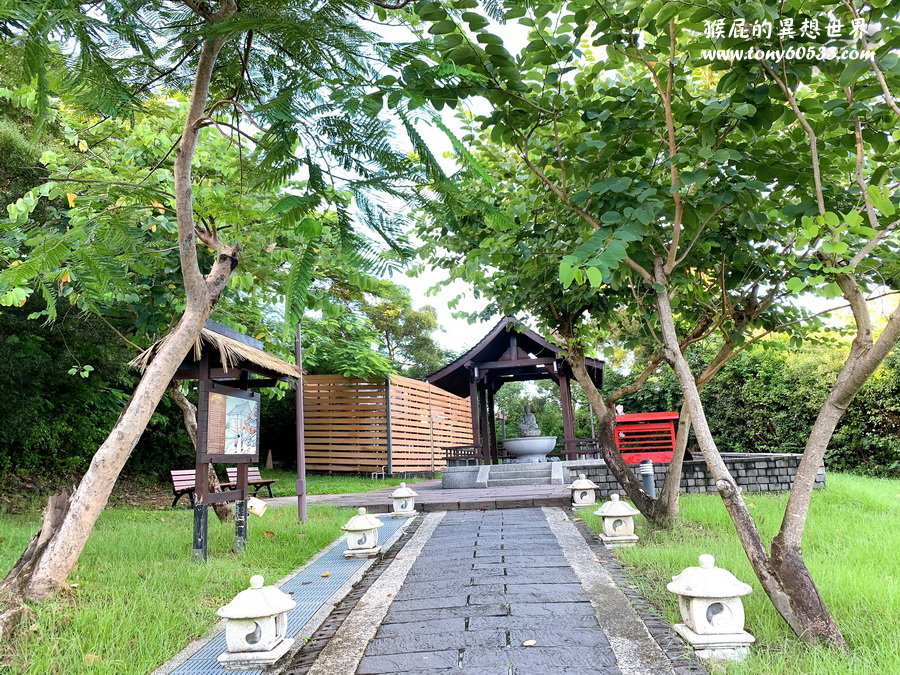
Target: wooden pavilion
508,355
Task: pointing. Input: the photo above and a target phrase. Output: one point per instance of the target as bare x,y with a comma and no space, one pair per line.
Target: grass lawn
321,484
851,546
139,599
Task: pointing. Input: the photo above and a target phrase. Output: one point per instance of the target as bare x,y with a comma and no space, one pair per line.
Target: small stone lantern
618,523
362,535
404,501
709,599
583,491
255,628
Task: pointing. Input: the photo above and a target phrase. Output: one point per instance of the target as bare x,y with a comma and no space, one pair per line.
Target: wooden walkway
434,498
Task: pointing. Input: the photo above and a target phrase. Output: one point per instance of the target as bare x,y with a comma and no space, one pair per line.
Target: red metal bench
646,436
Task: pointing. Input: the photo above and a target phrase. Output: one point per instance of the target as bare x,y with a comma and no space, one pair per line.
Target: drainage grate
302,660
309,590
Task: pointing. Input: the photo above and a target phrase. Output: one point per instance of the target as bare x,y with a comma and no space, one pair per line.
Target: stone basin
531,449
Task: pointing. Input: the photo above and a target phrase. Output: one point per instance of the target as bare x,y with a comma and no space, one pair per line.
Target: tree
695,199
293,71
404,332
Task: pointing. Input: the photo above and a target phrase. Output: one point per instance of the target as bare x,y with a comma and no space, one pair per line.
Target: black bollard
240,525
648,478
200,520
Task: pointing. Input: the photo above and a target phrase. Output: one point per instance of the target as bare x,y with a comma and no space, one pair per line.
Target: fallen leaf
73,585
91,659
326,574
576,520
529,643
269,534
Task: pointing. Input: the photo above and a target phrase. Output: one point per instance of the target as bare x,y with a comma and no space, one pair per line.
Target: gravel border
303,659
682,657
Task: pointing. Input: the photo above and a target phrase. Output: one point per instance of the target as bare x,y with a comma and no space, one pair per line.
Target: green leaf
795,284
442,27
475,21
566,273
594,276
852,71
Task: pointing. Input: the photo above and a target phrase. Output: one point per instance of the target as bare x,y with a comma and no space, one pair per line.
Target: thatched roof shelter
229,352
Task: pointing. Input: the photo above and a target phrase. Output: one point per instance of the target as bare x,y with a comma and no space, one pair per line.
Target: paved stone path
499,591
433,498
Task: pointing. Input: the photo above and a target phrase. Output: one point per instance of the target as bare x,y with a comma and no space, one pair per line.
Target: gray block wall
754,472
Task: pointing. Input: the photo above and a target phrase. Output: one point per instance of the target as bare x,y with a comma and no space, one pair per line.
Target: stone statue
528,426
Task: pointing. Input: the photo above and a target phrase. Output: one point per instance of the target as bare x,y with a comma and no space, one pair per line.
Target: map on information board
233,427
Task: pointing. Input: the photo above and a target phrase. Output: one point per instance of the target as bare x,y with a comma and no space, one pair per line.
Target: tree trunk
53,564
189,413
13,586
606,422
786,580
669,509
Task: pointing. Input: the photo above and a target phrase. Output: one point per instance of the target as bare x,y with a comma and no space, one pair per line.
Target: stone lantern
583,491
255,628
618,522
709,599
362,535
404,501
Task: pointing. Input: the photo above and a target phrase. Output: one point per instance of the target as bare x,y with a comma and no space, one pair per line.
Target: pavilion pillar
492,426
475,408
484,398
568,415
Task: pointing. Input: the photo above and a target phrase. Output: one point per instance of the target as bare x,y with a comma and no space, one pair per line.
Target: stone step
543,468
519,474
501,482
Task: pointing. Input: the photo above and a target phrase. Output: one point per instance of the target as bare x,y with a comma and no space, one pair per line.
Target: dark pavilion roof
494,347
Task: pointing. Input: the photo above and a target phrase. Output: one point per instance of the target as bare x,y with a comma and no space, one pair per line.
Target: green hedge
54,420
766,400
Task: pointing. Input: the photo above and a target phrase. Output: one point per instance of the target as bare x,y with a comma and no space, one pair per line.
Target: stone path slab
314,594
482,585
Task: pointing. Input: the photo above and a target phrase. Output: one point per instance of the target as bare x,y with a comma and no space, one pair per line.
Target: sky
456,334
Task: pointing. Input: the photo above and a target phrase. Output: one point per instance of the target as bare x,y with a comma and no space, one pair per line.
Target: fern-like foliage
292,90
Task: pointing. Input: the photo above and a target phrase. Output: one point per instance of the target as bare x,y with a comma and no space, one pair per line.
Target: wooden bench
183,484
254,480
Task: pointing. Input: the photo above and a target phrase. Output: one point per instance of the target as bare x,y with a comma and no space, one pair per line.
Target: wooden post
485,427
387,415
475,407
492,425
201,469
565,397
301,432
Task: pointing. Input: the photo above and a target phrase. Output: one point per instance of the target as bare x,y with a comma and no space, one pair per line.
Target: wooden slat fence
402,424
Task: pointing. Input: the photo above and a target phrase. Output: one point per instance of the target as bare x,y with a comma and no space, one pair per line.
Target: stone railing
754,472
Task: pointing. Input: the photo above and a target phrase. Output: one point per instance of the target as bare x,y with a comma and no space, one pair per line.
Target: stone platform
434,498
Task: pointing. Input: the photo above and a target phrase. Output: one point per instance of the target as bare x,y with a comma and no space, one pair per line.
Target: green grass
851,546
139,599
321,484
